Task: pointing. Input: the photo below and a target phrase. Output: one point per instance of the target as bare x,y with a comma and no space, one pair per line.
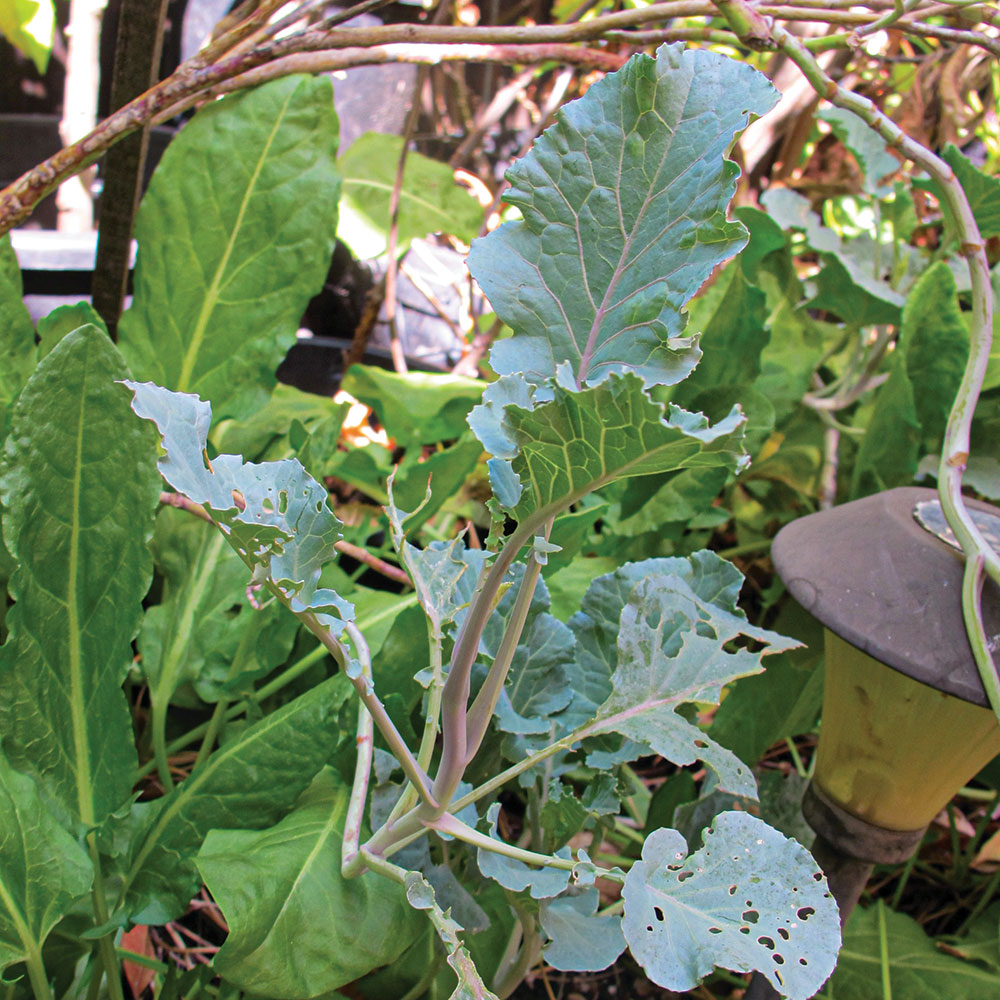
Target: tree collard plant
320,877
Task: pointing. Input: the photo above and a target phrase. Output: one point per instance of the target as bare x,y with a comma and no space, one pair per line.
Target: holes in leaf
802,961
319,506
732,890
233,612
283,502
715,930
818,877
658,913
804,912
267,505
783,934
700,744
777,975
778,959
766,942
684,876
649,927
751,916
744,930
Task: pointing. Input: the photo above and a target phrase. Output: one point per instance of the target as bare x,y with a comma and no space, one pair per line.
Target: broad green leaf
444,473
297,927
79,489
416,408
43,870
624,217
670,652
749,899
684,496
235,235
248,783
18,355
580,441
766,236
30,26
982,191
63,320
917,969
580,940
865,143
570,532
846,289
981,942
430,201
274,514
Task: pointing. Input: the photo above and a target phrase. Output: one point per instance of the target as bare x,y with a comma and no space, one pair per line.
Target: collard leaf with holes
238,223
429,200
79,489
248,783
274,514
750,899
282,894
671,651
624,217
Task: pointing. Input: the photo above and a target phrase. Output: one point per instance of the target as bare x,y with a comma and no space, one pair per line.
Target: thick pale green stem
365,741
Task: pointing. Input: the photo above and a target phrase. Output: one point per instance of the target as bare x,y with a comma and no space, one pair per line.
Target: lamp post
905,717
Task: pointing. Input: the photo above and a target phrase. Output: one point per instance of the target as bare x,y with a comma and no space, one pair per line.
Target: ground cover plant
361,754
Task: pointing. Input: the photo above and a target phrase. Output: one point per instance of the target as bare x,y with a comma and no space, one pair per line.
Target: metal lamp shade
895,744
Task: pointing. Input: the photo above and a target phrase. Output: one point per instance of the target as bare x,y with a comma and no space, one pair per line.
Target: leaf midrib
212,295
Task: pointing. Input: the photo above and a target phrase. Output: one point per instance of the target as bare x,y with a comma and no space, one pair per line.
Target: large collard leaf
579,441
235,235
274,514
79,489
248,783
282,894
671,638
17,333
749,899
917,969
43,870
911,409
624,216
429,200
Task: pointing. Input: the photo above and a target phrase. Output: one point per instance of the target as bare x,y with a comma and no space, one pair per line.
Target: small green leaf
297,927
63,320
982,191
624,216
849,291
18,355
865,143
43,870
30,26
274,514
917,969
238,221
429,200
249,782
542,883
749,899
79,489
416,408
580,941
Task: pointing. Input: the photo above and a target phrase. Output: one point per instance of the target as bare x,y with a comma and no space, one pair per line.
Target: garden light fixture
906,721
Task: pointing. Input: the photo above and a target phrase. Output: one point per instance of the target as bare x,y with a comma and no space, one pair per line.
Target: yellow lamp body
893,751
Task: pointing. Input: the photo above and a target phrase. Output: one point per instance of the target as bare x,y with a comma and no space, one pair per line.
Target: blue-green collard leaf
282,894
624,217
865,143
43,870
750,899
18,354
542,883
248,783
580,441
671,651
273,513
241,213
579,940
79,490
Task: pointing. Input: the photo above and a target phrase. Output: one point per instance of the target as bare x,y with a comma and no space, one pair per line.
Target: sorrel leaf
282,895
624,217
244,206
17,333
79,490
749,899
43,870
274,513
430,201
248,783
